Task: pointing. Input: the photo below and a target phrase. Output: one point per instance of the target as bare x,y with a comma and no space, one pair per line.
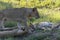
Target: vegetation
45,35
49,10
10,24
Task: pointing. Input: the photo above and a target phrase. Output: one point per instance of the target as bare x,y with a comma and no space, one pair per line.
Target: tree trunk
14,32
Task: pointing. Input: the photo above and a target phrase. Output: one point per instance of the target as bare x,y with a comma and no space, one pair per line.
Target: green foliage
52,15
58,37
4,5
32,3
38,38
10,24
9,38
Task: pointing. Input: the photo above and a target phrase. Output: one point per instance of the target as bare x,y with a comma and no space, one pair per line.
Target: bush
10,24
38,36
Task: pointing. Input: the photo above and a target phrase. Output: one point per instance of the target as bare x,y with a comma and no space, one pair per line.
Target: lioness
18,14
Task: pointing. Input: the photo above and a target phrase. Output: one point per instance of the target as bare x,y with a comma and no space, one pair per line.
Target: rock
45,25
57,26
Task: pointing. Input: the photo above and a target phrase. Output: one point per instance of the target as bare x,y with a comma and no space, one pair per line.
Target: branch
14,32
